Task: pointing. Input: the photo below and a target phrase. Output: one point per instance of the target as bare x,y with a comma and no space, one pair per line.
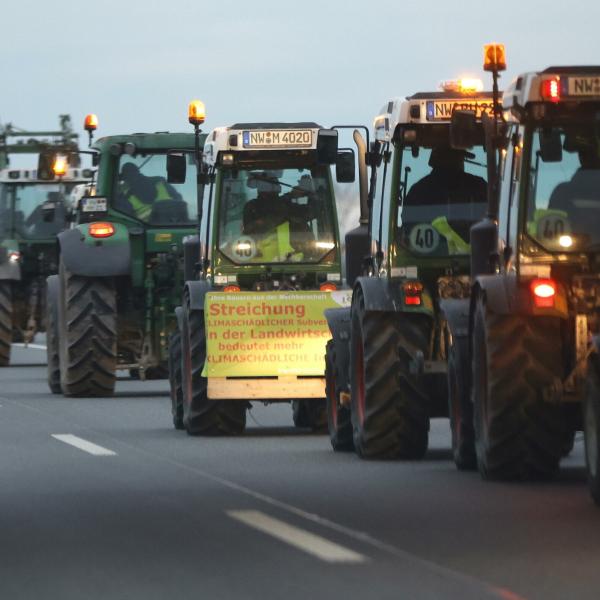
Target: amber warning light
60,166
196,112
91,122
494,57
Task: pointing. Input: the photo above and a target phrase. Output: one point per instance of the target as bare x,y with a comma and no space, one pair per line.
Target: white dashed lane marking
299,538
82,444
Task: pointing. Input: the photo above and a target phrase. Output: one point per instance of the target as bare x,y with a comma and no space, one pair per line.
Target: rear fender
456,314
339,322
195,292
387,295
106,257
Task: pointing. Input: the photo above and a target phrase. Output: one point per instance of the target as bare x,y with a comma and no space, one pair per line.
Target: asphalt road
126,507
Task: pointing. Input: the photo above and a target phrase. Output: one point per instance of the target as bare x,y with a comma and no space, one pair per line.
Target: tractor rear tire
519,435
52,348
6,325
460,407
339,418
87,334
390,413
310,414
175,379
591,423
202,416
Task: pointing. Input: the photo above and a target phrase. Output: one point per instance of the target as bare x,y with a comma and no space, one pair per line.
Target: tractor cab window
142,191
275,215
442,194
21,209
563,208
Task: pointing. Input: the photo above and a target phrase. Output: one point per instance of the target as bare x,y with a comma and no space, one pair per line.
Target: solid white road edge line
82,444
34,346
303,540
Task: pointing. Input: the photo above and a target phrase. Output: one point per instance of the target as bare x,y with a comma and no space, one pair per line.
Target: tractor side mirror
345,166
463,129
327,146
550,145
46,160
176,167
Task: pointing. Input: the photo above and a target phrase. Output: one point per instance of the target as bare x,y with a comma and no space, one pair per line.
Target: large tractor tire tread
520,435
396,419
460,407
339,418
89,336
175,379
592,427
6,325
52,349
201,415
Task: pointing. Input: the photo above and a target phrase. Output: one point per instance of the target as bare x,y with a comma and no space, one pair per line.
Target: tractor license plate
441,110
94,204
583,86
278,138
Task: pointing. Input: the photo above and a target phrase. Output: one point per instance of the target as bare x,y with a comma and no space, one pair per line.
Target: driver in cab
140,195
448,184
274,214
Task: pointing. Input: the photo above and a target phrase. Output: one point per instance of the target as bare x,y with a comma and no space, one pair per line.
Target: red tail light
232,288
551,89
328,287
543,291
412,293
101,229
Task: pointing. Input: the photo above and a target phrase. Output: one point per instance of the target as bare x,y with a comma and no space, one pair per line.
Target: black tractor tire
52,349
175,379
202,416
460,407
339,418
310,413
519,434
87,334
390,416
6,322
591,424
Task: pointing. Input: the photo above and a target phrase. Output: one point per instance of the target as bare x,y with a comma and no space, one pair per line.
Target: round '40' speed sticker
244,248
423,238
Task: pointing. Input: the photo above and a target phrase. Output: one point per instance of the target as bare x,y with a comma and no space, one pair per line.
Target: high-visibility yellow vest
456,245
143,210
275,246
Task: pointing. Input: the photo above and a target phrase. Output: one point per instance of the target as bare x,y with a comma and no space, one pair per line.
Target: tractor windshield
142,191
21,213
442,193
563,209
271,215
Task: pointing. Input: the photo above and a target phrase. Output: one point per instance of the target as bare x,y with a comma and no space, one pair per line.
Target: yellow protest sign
258,334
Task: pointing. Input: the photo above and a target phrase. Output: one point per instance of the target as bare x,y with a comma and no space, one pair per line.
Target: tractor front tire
175,379
6,325
390,414
52,347
87,334
519,434
310,414
202,416
591,423
460,407
339,417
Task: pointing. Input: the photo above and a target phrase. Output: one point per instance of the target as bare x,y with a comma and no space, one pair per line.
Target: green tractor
533,308
35,205
112,305
267,258
408,262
